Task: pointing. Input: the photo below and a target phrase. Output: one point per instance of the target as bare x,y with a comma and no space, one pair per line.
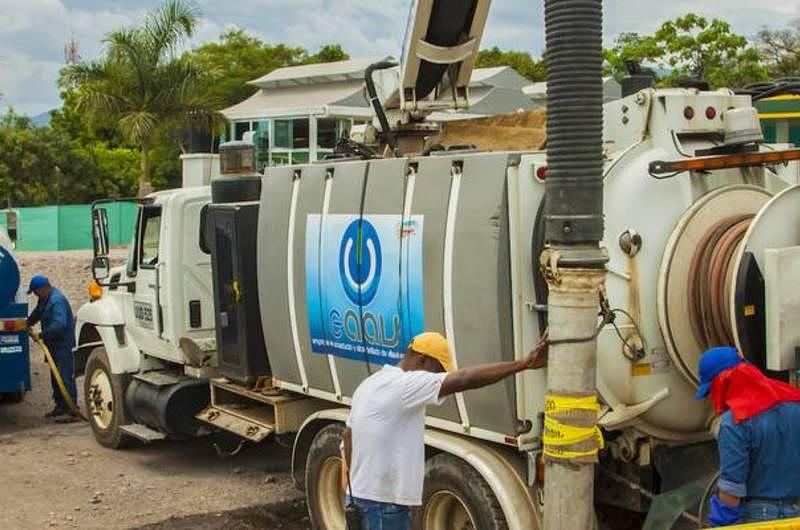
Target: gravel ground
57,476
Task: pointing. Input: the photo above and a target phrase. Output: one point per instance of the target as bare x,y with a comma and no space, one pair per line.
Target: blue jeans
65,363
383,516
758,510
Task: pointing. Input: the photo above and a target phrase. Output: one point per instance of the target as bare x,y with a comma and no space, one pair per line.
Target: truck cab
154,312
163,292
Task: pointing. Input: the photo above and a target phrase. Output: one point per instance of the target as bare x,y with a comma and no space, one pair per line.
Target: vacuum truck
15,374
257,305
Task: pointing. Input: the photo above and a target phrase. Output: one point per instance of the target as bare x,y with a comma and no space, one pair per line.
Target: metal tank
355,257
15,377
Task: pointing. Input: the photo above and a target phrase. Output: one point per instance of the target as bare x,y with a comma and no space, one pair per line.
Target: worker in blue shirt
759,437
58,333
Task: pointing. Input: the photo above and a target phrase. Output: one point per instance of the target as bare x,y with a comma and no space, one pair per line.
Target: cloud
33,32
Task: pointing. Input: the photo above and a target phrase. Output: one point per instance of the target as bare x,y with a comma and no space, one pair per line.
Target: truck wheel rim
330,497
100,399
447,511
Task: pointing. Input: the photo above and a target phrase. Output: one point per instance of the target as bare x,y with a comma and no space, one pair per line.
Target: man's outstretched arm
486,374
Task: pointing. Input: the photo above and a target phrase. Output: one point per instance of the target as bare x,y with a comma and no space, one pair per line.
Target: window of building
281,159
240,128
300,133
328,131
261,140
282,134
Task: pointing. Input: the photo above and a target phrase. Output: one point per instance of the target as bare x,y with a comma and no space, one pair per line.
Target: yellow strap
554,404
57,375
557,434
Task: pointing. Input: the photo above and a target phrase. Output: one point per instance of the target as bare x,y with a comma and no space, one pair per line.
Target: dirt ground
57,476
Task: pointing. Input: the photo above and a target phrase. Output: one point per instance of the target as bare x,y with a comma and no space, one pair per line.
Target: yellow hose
57,375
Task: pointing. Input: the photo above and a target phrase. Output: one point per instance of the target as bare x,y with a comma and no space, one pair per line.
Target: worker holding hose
384,445
759,437
58,333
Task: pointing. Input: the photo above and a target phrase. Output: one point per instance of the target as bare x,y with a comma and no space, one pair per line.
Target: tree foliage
141,85
238,57
690,46
780,50
51,165
522,62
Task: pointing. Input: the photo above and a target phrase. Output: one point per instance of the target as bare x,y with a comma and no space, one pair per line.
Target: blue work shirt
760,457
58,324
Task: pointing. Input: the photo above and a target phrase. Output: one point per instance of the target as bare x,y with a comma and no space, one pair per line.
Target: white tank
459,239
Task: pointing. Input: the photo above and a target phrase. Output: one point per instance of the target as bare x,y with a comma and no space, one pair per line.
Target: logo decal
360,262
364,285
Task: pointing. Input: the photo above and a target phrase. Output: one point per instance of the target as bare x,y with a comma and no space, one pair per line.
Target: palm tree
142,85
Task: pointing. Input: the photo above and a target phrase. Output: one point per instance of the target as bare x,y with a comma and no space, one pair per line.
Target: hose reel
697,278
710,281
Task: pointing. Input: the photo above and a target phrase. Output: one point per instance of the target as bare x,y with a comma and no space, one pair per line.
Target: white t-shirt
388,423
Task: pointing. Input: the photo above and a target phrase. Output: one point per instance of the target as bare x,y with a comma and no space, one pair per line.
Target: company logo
360,262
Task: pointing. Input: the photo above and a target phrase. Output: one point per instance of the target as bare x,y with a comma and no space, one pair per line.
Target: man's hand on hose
537,358
34,335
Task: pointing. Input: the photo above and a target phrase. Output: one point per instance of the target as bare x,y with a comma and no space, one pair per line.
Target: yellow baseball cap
435,346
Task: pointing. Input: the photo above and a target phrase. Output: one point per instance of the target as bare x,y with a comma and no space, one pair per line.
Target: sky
33,33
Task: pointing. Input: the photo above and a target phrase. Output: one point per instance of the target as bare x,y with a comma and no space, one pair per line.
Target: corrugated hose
57,376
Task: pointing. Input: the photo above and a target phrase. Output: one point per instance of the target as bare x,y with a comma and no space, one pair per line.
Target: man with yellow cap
384,440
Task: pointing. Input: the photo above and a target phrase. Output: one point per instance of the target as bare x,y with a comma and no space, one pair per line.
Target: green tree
228,65
328,53
522,62
781,50
237,58
690,46
47,165
141,85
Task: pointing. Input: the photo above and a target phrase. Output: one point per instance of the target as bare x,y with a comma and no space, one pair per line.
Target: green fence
67,227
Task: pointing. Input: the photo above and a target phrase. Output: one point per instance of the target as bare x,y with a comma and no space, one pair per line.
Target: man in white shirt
384,440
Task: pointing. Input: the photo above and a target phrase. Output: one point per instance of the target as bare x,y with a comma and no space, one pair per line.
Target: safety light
95,291
708,163
13,325
541,172
688,113
711,113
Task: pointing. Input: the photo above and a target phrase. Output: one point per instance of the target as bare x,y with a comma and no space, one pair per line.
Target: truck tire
323,484
104,401
456,496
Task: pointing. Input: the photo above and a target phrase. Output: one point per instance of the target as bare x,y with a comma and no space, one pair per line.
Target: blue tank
15,374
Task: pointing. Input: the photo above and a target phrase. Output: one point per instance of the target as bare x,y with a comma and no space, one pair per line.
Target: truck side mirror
100,232
101,268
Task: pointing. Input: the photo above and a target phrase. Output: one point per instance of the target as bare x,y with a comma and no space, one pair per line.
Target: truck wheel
323,480
104,395
457,497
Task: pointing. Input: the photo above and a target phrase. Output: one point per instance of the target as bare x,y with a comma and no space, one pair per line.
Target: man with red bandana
759,440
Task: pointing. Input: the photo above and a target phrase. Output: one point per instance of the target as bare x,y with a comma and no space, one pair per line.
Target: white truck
257,304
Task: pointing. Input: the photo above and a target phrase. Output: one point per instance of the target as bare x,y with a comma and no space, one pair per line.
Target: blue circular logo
360,262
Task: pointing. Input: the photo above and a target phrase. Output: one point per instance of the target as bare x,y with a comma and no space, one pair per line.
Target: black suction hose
574,208
388,136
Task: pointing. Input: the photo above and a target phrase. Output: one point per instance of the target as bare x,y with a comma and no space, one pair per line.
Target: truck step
251,424
142,432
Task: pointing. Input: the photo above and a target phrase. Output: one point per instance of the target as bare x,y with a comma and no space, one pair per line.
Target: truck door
148,323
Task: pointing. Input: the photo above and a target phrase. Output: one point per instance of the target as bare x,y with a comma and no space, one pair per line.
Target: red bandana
747,392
